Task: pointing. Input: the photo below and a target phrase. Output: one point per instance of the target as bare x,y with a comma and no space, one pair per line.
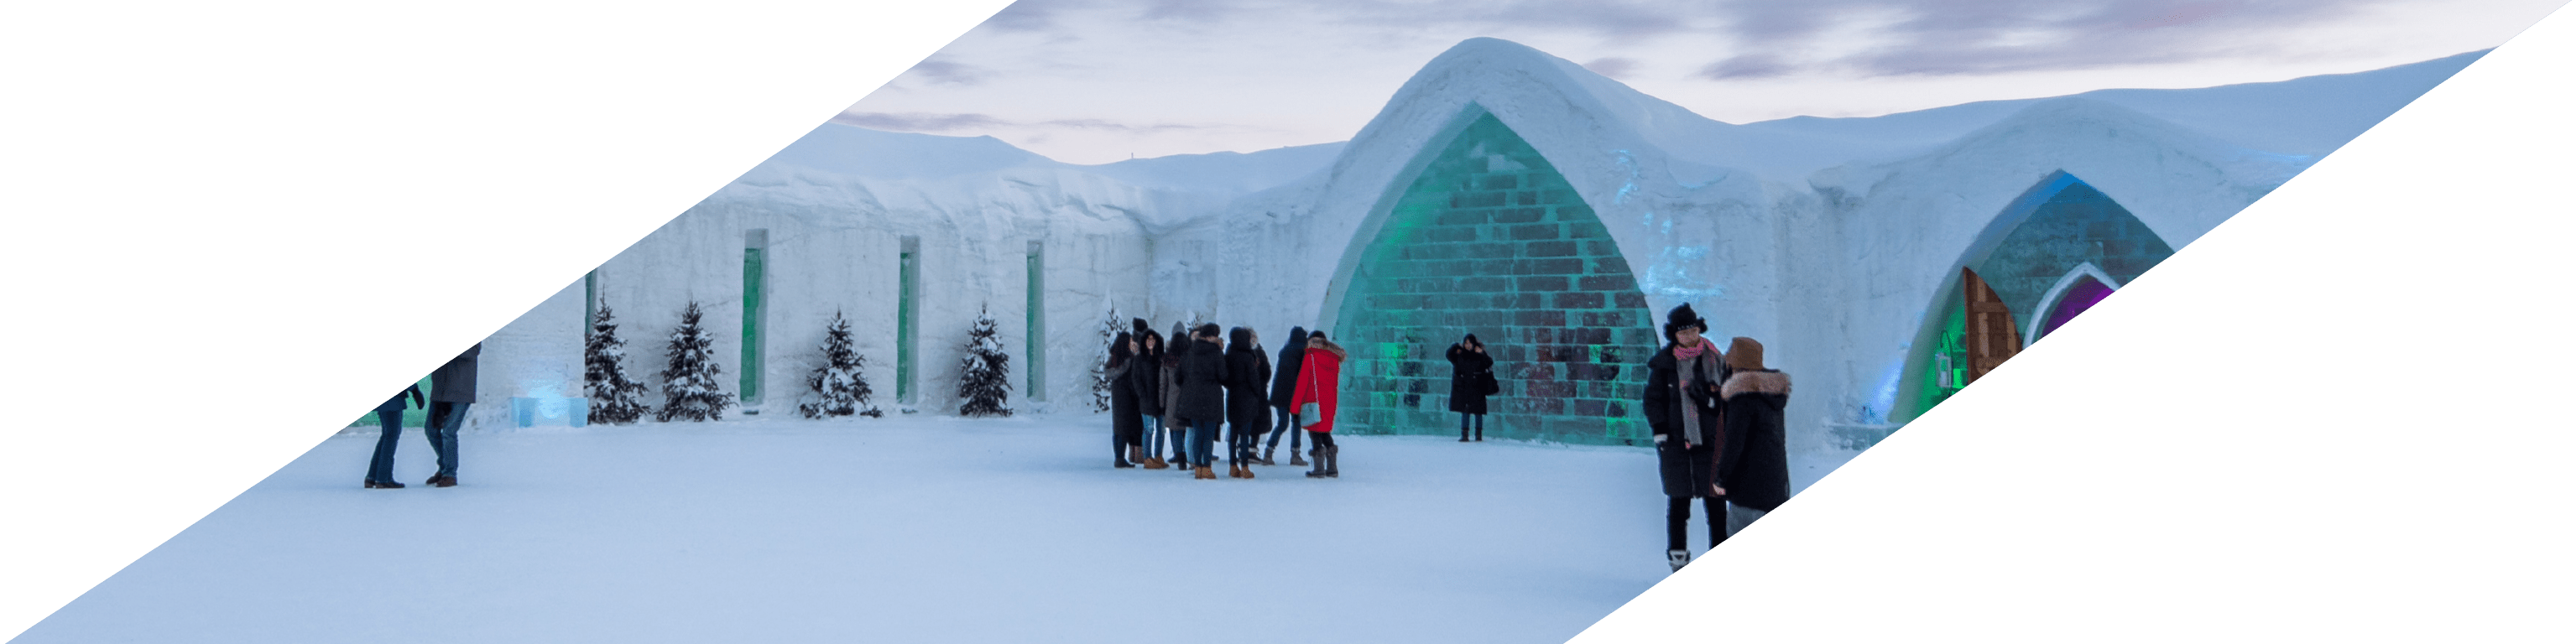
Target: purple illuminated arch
2081,296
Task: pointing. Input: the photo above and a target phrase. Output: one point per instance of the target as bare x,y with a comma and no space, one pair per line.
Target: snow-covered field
905,529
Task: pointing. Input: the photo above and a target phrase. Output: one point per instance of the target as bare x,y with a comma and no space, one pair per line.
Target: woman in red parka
1318,380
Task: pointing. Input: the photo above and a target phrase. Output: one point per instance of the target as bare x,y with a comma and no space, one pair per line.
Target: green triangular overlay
2340,416
235,227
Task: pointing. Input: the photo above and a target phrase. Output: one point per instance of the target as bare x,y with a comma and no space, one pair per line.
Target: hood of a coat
1767,381
1316,344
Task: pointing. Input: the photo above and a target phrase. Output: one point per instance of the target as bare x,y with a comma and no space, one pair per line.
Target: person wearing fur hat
1753,464
1682,407
1470,371
1126,426
1247,400
1147,379
1283,388
1318,382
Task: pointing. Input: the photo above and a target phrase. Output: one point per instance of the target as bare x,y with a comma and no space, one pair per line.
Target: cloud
1998,36
941,72
930,122
1746,66
918,121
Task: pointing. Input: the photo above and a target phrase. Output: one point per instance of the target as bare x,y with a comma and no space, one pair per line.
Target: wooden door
1992,337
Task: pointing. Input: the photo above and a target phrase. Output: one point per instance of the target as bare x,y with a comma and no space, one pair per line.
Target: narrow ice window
907,310
755,250
1037,321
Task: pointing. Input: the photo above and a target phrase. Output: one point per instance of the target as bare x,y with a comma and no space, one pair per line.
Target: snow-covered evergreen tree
1110,327
689,384
838,389
985,381
614,398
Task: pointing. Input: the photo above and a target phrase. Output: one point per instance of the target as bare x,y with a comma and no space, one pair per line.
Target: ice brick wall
1489,239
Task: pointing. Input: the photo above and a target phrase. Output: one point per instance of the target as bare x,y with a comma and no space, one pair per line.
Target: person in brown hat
1681,405
1753,466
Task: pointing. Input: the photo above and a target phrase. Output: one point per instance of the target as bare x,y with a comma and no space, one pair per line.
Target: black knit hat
1682,316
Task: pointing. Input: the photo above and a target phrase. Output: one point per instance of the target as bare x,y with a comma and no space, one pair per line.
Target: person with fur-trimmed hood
1247,399
1753,467
1283,388
1202,380
1147,378
1682,406
1126,425
1319,381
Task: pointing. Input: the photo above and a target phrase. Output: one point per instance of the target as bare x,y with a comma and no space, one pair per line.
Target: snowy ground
898,530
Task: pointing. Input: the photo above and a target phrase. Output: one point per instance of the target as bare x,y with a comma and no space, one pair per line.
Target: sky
1098,81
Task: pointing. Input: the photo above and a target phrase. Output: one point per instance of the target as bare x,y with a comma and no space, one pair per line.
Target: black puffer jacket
1755,464
1283,385
1247,384
1202,382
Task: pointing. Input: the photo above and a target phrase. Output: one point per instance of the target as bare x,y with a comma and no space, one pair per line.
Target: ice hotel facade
1502,191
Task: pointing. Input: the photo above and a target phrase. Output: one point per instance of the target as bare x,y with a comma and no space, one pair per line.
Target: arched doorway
2046,257
1489,239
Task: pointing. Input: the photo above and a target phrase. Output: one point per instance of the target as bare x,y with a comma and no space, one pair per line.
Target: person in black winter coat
1469,369
380,470
1126,426
1174,353
1201,401
1681,404
1282,387
1247,399
451,392
1754,466
1147,378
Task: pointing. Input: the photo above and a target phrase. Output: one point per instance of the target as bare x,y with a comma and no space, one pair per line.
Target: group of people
1181,392
451,391
1719,438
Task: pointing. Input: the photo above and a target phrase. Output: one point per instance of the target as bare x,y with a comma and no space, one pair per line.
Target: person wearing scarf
1681,402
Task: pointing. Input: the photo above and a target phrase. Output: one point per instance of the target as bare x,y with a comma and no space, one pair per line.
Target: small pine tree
689,384
1110,327
837,384
985,383
615,398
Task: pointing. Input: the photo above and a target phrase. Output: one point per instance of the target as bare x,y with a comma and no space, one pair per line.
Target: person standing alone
451,392
1471,378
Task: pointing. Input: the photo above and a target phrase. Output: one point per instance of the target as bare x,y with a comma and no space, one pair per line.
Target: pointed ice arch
2036,253
1482,235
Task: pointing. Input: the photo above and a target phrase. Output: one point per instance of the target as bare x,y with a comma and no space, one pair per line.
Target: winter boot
387,485
1295,457
1156,464
1333,462
1678,558
1205,473
1318,472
